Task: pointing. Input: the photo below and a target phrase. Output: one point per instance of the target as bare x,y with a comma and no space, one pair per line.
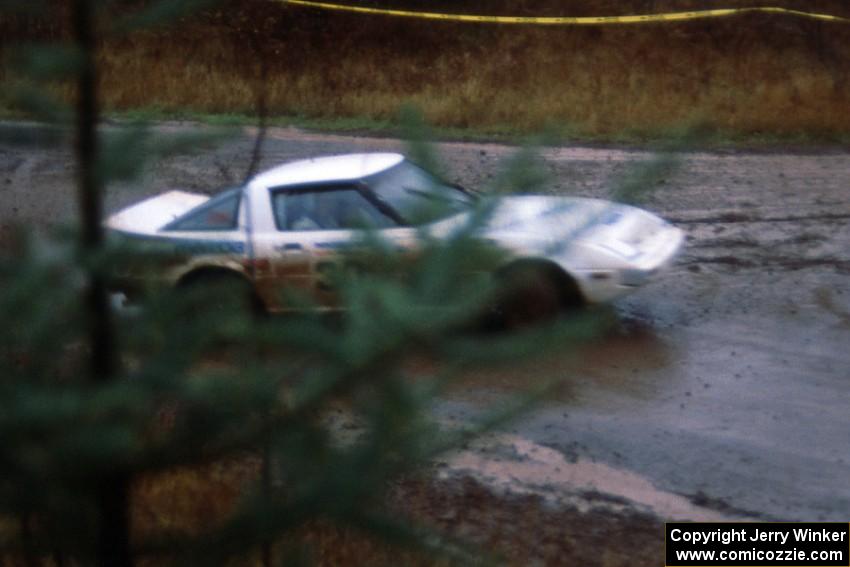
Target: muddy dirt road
725,391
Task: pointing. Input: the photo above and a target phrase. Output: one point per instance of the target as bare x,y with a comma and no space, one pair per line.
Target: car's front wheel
533,293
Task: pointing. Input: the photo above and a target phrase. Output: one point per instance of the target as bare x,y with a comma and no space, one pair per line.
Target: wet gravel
725,384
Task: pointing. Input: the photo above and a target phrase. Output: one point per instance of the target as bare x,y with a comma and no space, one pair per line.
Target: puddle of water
515,465
629,359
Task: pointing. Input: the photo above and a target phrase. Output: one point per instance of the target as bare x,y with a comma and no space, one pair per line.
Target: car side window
326,208
219,213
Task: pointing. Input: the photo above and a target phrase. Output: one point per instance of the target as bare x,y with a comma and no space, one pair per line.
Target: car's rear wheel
219,292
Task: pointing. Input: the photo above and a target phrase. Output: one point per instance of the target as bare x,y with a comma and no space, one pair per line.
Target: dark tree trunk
113,544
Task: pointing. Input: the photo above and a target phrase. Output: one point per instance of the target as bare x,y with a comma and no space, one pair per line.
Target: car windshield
417,196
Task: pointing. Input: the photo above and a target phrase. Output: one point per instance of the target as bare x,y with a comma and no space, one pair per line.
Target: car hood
152,214
540,214
569,218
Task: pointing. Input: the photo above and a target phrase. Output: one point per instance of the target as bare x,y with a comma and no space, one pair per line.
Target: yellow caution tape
569,21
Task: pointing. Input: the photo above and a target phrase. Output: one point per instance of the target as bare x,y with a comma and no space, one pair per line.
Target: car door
319,231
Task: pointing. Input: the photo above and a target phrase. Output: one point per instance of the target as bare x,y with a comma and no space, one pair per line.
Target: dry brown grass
749,74
517,530
190,501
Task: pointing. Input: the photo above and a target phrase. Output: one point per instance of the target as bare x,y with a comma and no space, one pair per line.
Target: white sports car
289,225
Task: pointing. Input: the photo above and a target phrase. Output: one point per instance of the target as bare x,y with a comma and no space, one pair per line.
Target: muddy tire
534,294
217,292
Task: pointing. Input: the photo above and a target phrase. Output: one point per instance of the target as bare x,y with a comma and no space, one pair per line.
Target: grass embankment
748,76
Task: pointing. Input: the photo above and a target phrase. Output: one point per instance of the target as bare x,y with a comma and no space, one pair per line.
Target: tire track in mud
790,264
732,218
786,253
